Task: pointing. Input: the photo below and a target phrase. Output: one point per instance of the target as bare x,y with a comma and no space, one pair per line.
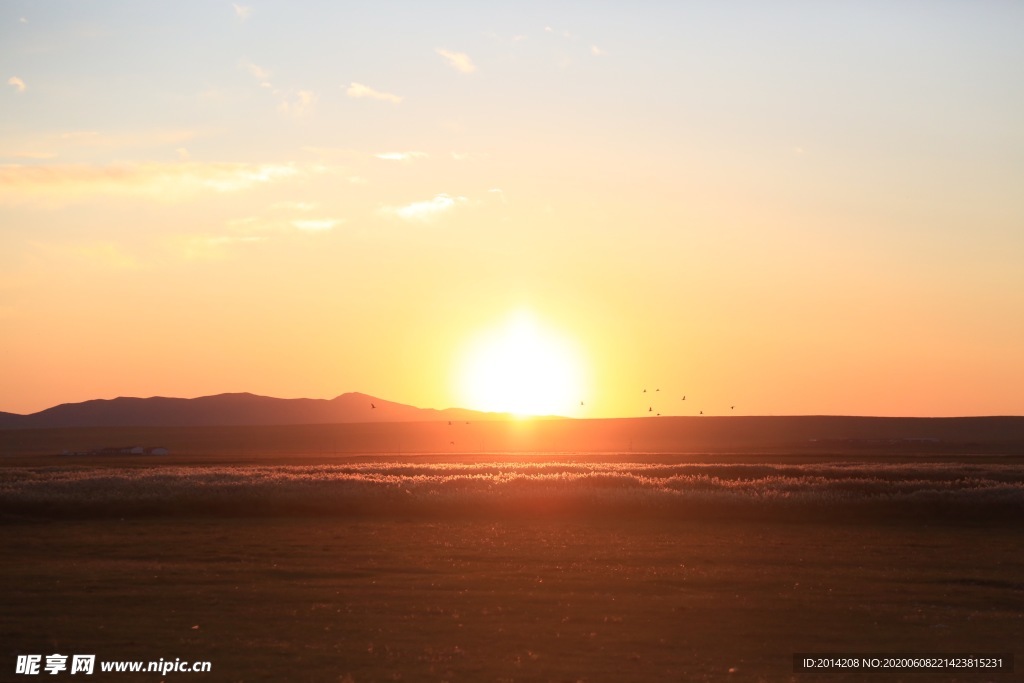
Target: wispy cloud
208,247
298,105
401,156
335,154
59,183
360,91
256,71
571,37
563,33
457,60
426,211
18,84
295,206
316,224
290,102
242,11
272,225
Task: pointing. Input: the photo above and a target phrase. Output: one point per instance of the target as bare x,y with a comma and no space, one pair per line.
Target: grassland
922,492
606,566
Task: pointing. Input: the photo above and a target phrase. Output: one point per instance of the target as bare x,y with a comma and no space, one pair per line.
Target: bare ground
524,599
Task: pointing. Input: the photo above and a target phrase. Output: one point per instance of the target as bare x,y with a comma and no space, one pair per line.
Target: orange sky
808,209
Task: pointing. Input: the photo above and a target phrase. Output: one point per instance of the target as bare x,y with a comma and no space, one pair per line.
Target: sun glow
523,369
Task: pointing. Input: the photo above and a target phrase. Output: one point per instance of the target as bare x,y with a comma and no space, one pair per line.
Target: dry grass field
652,566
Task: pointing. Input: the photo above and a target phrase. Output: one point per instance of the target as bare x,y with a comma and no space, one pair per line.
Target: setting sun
522,368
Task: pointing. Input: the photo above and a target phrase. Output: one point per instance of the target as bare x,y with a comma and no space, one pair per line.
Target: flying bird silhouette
372,406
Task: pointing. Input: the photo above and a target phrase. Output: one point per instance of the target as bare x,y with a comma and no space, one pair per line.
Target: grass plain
537,567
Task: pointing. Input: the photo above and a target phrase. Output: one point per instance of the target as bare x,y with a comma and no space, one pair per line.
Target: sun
524,369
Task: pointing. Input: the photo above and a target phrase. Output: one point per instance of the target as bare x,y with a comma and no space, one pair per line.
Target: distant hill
225,410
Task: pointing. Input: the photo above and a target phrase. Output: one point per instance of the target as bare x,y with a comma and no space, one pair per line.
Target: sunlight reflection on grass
953,490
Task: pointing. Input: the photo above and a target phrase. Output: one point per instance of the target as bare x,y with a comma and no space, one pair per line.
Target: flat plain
530,567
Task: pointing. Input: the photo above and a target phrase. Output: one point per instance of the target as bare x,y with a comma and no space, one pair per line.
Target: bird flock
656,402
650,407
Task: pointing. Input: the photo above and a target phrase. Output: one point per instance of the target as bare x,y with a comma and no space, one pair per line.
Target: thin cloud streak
316,224
459,61
208,247
360,91
426,211
162,182
292,103
256,71
401,156
18,84
296,206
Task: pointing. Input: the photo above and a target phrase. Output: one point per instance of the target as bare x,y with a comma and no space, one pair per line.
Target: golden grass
923,491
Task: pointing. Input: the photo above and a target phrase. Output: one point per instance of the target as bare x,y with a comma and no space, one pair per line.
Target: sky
768,208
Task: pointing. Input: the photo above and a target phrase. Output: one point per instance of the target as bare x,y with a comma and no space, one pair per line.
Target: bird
650,409
683,398
581,402
449,423
645,391
702,412
657,389
732,407
372,406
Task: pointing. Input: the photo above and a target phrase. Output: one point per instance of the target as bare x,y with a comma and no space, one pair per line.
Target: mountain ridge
231,409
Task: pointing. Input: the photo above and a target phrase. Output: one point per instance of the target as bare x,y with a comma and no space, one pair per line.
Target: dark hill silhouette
230,410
